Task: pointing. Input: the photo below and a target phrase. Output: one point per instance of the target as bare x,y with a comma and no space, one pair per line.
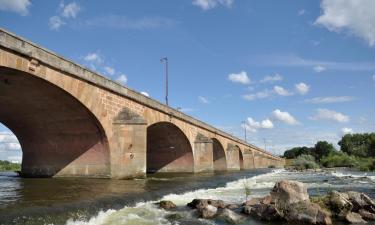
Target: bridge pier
203,154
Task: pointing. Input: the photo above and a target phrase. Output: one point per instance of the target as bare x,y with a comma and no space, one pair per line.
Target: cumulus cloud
329,99
109,70
203,100
210,4
145,93
354,17
302,88
55,23
326,114
319,69
122,79
240,77
281,91
271,79
258,95
301,12
8,142
253,126
346,130
17,6
70,10
284,117
93,57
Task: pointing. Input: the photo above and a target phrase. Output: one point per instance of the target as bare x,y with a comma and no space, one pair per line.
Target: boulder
361,201
287,192
339,203
254,201
267,212
230,216
207,212
232,206
366,214
354,218
305,212
201,203
166,205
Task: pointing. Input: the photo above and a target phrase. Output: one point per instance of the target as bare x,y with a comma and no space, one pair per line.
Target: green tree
323,148
362,145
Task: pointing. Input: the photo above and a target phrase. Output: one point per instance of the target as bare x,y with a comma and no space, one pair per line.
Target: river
75,201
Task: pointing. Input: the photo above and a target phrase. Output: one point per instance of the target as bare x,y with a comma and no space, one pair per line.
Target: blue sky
296,71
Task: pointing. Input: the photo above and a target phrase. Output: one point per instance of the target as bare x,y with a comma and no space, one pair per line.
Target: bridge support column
128,154
203,154
233,157
248,159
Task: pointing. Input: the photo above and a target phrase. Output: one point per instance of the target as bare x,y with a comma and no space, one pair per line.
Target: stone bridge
71,122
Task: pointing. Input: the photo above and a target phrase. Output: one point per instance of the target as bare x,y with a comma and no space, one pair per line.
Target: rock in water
207,212
267,212
339,203
305,212
232,206
287,192
354,218
230,216
166,205
367,215
200,203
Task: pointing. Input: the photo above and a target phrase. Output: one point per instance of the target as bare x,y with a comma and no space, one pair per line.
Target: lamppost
165,59
265,147
244,126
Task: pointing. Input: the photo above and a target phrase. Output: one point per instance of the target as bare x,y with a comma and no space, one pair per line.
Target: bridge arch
219,156
168,149
58,134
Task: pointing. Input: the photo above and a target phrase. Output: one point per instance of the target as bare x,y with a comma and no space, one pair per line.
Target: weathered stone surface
201,203
354,218
266,212
207,212
339,203
366,214
230,216
232,206
288,192
166,205
305,212
361,201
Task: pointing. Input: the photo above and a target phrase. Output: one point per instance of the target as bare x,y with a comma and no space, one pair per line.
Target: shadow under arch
241,160
168,149
58,135
219,157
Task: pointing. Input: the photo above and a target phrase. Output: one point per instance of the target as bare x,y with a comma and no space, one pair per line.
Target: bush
342,159
8,166
303,162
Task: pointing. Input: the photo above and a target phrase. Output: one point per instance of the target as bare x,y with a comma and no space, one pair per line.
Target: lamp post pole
165,59
244,127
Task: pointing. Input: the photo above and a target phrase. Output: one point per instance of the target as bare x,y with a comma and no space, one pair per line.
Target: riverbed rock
232,206
305,212
287,192
267,212
166,204
366,214
339,203
230,216
207,212
354,218
201,203
361,201
254,201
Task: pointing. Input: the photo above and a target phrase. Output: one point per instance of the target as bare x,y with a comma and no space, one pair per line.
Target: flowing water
105,201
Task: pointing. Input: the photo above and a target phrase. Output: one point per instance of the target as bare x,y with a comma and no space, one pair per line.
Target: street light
265,147
165,59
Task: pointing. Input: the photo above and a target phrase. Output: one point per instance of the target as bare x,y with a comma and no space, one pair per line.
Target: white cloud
301,12
346,130
93,57
70,10
319,69
203,100
259,95
302,88
253,126
122,79
109,70
145,93
210,4
8,142
281,91
55,23
284,117
326,114
354,17
330,99
17,6
271,79
240,77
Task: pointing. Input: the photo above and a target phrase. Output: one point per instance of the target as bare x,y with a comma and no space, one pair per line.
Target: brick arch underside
168,149
219,158
59,136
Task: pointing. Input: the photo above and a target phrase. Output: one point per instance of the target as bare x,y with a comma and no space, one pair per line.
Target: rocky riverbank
289,202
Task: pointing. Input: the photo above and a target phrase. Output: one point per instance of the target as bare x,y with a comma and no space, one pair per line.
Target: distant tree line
356,150
9,166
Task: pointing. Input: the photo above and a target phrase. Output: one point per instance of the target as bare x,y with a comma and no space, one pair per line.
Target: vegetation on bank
9,166
356,151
